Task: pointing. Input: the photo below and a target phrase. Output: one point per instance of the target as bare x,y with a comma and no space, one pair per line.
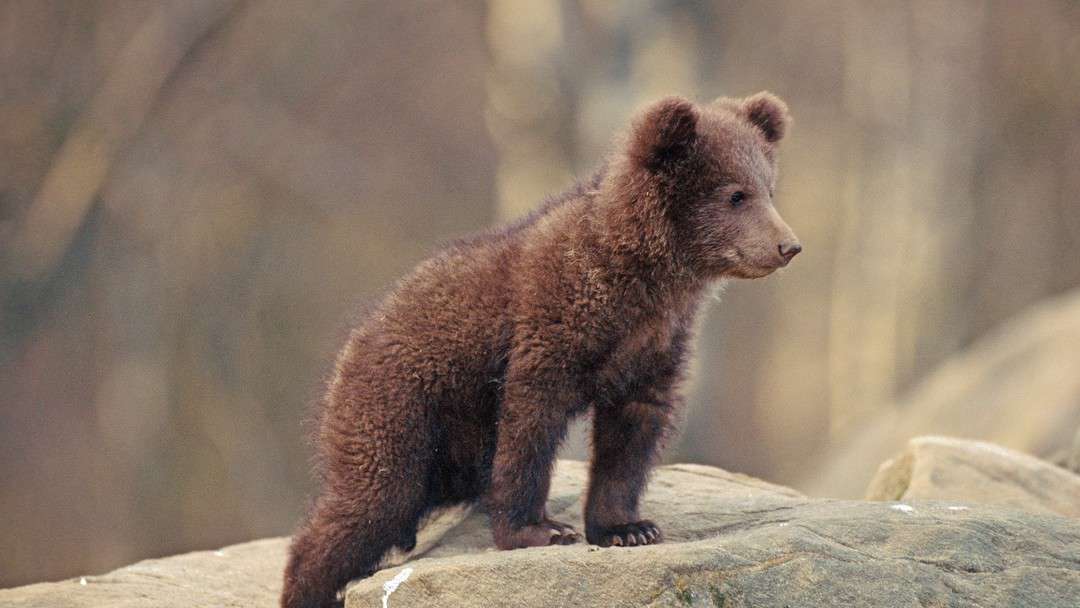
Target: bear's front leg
532,423
626,439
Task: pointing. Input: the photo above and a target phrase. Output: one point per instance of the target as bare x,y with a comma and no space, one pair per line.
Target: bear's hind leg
343,540
372,501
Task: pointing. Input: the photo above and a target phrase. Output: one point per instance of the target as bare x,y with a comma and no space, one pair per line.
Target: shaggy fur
459,387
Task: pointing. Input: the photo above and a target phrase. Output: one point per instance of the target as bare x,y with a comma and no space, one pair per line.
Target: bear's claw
628,535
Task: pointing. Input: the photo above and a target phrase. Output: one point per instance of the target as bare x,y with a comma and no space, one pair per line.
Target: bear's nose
789,250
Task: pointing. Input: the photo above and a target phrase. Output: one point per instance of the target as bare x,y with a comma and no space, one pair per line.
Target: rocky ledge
732,541
945,468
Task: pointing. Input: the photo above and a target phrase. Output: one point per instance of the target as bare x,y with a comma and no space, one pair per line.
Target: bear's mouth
746,268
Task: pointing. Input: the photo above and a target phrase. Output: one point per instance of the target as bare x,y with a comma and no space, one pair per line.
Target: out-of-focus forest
198,196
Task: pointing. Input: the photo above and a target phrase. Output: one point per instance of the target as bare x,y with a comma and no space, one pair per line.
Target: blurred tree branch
110,121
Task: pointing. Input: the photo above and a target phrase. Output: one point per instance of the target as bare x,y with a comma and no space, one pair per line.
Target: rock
943,468
732,541
1018,386
811,554
241,576
696,499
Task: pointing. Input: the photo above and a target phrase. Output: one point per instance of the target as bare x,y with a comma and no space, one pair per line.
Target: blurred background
198,196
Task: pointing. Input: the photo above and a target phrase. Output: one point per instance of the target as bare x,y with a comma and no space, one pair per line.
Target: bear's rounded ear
665,131
768,113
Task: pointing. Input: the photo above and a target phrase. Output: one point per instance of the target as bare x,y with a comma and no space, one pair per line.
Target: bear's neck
637,246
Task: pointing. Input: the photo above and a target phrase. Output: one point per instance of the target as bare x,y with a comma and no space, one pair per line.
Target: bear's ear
768,113
664,132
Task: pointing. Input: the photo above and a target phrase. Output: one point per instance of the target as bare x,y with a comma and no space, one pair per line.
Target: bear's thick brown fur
459,387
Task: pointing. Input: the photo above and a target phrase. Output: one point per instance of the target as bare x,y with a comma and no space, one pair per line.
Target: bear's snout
789,250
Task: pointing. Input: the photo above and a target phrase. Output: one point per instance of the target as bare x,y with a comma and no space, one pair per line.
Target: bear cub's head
712,167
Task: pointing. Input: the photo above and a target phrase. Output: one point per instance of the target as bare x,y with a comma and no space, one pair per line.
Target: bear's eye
738,198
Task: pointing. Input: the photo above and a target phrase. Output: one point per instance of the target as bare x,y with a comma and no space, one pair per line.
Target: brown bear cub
459,386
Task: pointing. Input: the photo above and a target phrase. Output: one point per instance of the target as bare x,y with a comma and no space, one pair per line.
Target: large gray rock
809,554
732,541
945,468
237,576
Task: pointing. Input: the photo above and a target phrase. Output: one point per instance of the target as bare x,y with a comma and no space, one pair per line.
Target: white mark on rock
783,524
219,553
391,585
82,581
958,508
903,508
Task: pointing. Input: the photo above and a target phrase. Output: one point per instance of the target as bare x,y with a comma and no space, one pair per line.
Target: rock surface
1019,386
943,468
691,499
732,541
238,576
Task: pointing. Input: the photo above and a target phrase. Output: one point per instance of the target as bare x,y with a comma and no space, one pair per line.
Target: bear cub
458,388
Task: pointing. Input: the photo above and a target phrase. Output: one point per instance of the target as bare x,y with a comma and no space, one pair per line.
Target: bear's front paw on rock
547,532
633,534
